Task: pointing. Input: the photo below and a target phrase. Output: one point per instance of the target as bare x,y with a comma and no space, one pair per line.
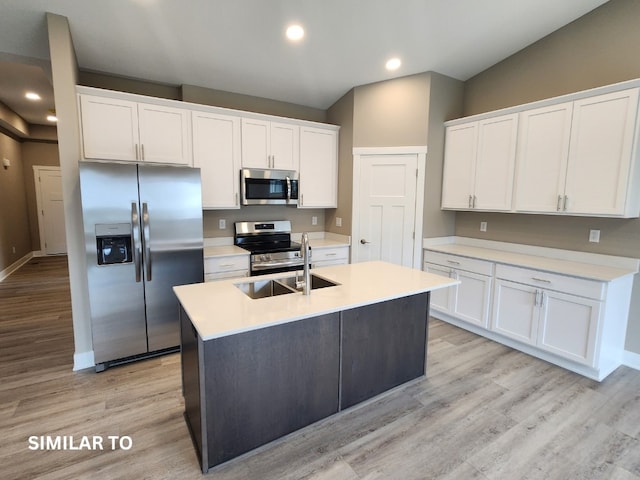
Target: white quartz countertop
580,269
218,309
326,243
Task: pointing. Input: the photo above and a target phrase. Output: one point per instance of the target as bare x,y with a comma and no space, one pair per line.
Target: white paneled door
387,201
50,210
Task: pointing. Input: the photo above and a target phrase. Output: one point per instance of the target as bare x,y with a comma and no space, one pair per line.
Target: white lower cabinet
558,322
577,323
324,257
468,301
229,266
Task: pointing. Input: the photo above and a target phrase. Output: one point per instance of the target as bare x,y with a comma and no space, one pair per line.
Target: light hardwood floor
484,411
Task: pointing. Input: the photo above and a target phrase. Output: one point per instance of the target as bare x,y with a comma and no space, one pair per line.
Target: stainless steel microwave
268,187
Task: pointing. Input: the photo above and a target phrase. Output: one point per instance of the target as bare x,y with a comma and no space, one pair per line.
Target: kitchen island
261,360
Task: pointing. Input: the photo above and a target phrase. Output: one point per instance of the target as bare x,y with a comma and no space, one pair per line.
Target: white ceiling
239,45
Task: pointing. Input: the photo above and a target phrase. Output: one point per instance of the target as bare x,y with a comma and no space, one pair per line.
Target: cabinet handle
559,204
142,150
226,265
453,262
543,280
236,198
137,152
536,302
474,201
566,200
470,201
331,254
541,299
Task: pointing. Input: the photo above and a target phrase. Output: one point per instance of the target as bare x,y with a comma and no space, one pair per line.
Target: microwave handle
288,189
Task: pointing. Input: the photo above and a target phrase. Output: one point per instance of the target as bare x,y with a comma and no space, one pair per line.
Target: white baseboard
83,360
631,360
15,266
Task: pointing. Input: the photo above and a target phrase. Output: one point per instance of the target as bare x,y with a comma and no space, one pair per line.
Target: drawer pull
330,254
226,265
543,280
453,262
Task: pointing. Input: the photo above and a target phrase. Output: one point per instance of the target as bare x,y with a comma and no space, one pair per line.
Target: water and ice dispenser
114,243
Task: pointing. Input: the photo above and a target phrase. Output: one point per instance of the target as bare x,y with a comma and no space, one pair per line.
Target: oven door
268,187
264,269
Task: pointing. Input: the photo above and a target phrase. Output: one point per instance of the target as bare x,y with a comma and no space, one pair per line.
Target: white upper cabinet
318,168
268,144
574,155
577,157
216,151
599,170
479,164
116,129
541,161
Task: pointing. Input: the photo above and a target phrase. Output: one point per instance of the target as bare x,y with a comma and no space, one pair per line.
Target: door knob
363,241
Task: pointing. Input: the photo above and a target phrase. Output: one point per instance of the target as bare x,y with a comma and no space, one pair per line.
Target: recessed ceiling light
393,63
295,33
32,96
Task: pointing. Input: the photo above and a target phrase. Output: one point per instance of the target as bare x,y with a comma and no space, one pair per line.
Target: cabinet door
543,149
602,136
256,144
441,299
459,166
285,146
568,326
165,136
515,314
216,151
109,128
318,168
495,163
472,297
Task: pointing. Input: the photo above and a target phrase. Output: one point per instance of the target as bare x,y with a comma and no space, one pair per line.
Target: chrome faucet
305,251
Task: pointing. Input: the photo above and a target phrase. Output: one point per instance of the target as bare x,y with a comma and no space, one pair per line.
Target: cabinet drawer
211,277
461,263
332,253
552,281
226,264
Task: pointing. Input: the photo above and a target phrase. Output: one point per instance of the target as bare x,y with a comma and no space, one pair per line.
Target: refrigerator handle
137,251
147,240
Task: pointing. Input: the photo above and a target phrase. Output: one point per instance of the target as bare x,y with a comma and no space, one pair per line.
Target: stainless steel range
270,245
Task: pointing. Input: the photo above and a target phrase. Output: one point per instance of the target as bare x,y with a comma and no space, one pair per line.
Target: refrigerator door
171,206
111,230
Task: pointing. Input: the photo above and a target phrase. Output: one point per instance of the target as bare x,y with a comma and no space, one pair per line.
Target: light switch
338,221
594,236
222,224
483,226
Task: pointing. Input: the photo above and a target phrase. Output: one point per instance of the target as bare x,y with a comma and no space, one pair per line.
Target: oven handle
266,266
288,189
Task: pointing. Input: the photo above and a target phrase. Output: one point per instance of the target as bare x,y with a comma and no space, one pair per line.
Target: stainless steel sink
280,286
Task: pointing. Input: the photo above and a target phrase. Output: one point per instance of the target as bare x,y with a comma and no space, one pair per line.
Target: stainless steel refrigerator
143,235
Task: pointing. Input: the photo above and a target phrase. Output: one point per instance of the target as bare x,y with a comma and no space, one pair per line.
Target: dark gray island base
244,390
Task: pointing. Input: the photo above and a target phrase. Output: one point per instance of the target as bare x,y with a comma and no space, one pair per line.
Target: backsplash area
301,219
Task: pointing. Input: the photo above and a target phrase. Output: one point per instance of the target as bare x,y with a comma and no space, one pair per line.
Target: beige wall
392,113
219,98
14,224
341,113
129,85
64,68
445,103
597,49
36,154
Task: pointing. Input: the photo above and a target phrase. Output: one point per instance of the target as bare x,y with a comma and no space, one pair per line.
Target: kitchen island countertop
219,309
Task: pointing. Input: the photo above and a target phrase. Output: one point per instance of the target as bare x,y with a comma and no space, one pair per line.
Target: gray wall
14,223
406,111
597,49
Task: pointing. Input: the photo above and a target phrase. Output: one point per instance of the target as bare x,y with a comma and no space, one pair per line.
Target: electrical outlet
483,226
13,249
338,221
314,220
222,224
594,236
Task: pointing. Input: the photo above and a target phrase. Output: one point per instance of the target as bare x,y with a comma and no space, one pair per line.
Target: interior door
49,184
387,202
